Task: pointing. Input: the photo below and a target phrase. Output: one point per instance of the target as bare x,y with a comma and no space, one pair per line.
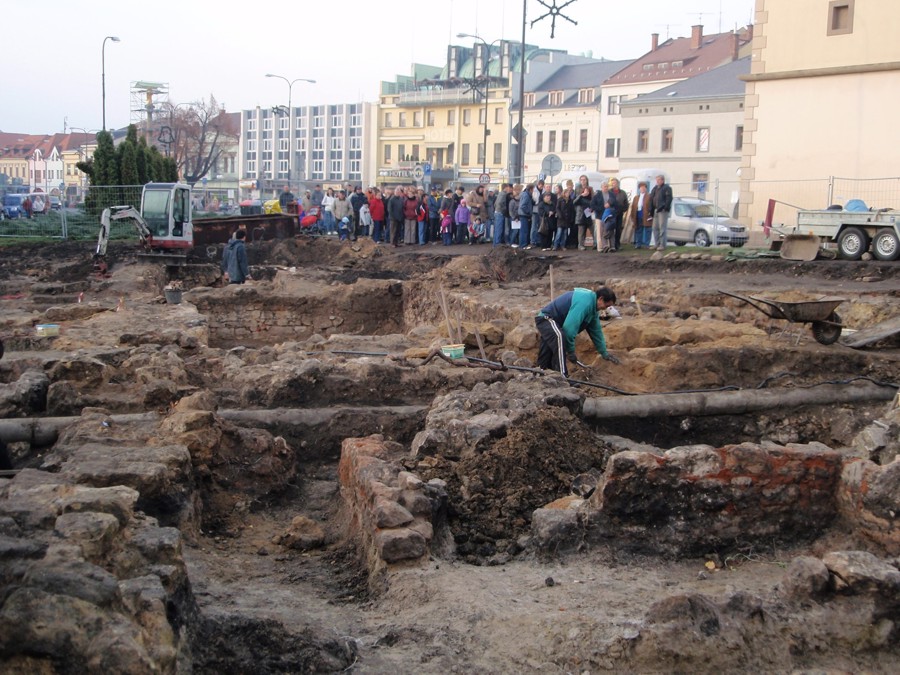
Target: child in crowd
446,228
462,218
608,227
476,231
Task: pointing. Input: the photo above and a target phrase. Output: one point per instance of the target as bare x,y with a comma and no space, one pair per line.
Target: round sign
419,172
484,179
552,165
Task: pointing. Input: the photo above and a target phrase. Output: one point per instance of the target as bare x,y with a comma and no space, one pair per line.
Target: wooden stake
552,285
446,310
480,344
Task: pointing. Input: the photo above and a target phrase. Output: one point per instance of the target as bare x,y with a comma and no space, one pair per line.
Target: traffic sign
426,167
419,172
484,179
552,164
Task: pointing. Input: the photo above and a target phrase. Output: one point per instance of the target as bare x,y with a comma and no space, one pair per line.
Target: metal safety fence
78,222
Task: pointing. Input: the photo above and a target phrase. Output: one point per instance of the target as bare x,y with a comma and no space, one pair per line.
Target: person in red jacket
376,208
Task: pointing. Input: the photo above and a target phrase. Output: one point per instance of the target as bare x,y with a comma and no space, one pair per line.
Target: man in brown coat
477,203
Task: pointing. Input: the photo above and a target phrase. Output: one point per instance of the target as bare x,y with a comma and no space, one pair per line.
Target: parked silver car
704,224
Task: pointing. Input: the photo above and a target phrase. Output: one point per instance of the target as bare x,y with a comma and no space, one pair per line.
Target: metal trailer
854,232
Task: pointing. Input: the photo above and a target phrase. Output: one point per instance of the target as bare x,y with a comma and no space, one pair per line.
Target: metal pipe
731,402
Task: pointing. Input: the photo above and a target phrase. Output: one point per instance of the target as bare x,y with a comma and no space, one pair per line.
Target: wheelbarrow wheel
827,333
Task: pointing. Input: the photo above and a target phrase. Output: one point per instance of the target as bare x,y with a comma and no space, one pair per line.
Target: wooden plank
867,336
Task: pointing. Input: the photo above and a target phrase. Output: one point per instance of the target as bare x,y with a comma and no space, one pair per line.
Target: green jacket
574,312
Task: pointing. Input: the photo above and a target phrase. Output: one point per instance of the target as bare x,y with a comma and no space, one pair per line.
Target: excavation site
351,463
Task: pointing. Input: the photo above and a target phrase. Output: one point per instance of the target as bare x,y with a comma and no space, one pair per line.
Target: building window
699,183
612,147
429,118
402,119
582,140
739,137
388,120
450,154
702,139
482,116
556,98
417,118
415,152
564,141
387,154
585,95
612,106
498,116
451,118
401,152
539,141
467,117
498,153
643,140
840,17
551,141
529,99
481,157
668,140
336,168
465,154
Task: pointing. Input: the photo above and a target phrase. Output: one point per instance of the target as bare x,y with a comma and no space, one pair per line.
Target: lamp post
487,88
103,73
290,84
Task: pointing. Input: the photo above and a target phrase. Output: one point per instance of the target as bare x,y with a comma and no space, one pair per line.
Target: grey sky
203,47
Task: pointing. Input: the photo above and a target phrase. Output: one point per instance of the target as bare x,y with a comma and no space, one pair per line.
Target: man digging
559,322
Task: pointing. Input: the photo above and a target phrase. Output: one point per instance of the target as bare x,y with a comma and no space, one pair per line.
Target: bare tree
197,133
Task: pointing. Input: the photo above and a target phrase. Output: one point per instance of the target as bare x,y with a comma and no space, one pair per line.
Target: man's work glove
572,358
612,359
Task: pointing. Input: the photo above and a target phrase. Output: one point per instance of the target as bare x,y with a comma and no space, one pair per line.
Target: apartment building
693,130
562,115
821,97
450,125
674,60
323,144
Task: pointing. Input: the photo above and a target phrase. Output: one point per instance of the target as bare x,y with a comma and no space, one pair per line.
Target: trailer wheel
827,333
852,243
885,246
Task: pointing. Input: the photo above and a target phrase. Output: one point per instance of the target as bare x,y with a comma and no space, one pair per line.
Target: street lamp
103,75
487,88
290,84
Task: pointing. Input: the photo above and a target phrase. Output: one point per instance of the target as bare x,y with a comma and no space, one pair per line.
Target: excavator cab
166,210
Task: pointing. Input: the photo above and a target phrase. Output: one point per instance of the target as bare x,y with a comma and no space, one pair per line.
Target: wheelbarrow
826,324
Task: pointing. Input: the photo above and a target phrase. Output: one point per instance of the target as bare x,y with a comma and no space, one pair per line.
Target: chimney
696,36
654,41
735,46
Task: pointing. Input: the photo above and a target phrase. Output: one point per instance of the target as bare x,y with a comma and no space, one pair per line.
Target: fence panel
878,193
83,221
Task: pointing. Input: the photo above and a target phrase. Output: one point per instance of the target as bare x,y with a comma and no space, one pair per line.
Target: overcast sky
202,47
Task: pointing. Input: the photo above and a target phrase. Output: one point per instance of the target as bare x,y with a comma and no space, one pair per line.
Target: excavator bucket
800,247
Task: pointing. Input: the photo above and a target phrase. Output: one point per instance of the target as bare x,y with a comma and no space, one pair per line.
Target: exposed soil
491,606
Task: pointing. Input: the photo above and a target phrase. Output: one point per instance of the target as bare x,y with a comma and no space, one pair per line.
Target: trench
351,314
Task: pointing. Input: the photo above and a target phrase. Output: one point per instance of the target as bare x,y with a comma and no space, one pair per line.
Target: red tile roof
697,54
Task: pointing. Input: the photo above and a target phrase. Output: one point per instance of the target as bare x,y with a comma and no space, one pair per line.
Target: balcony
438,96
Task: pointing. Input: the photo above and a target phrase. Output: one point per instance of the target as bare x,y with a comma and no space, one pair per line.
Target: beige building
562,116
822,98
674,60
439,120
691,130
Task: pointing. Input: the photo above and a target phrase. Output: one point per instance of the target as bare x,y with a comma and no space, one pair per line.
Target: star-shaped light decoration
554,11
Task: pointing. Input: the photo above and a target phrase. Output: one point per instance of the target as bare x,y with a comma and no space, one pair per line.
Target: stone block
400,544
556,529
95,532
303,533
390,514
74,578
863,572
806,578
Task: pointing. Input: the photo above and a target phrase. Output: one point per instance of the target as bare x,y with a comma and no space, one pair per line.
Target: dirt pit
331,343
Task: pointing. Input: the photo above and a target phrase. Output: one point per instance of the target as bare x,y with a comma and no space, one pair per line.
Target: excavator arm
118,213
